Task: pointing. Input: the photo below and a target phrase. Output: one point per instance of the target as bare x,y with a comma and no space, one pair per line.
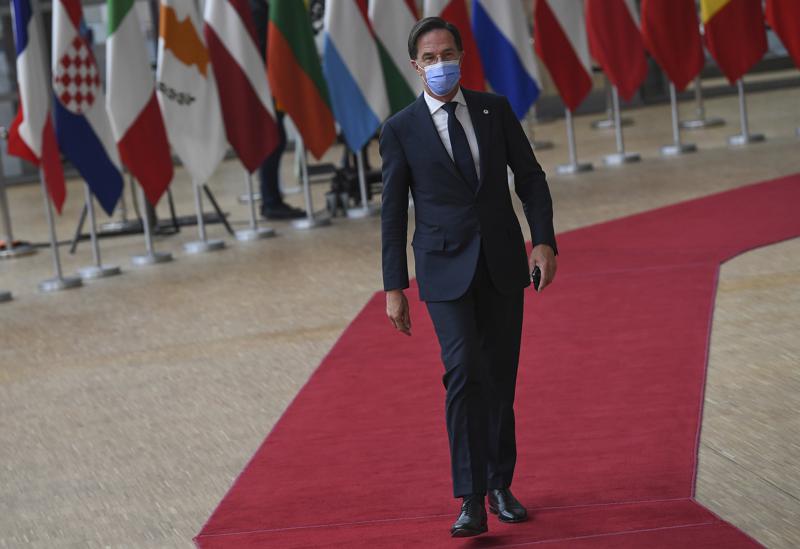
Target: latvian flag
82,127
244,92
31,136
132,104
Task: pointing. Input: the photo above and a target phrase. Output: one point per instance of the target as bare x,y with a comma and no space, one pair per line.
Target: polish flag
560,39
31,136
455,12
615,42
784,18
247,108
671,33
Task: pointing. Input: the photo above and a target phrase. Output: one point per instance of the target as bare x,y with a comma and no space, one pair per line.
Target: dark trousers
269,171
479,335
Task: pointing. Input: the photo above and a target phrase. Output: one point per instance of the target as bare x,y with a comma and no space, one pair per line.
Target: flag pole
608,123
677,148
59,282
620,157
150,257
537,145
744,138
574,166
249,196
98,270
124,224
254,232
204,244
11,250
700,111
366,209
310,221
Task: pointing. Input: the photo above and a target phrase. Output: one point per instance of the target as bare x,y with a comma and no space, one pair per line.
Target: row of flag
212,88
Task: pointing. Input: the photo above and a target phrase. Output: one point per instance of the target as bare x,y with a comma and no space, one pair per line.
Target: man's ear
416,68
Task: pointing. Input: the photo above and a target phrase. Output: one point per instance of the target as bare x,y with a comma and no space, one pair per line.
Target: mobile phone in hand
536,276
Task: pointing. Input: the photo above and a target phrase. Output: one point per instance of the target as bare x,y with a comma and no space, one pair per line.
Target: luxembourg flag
31,136
352,67
82,125
504,43
562,44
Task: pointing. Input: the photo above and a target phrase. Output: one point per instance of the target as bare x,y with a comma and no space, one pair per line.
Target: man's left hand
543,256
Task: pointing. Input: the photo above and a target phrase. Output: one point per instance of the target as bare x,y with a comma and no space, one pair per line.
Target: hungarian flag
352,66
392,21
245,96
735,34
132,105
31,136
560,40
187,91
784,18
615,42
455,12
79,111
295,74
671,33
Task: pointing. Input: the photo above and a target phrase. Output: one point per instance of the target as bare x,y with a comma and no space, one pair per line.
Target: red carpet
609,402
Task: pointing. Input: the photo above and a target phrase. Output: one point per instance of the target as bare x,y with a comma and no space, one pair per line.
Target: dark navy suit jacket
453,222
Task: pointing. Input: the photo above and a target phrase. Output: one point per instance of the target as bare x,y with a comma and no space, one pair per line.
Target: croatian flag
82,126
504,43
31,136
352,67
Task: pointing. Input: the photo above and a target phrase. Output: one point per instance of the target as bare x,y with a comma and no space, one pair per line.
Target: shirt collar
434,104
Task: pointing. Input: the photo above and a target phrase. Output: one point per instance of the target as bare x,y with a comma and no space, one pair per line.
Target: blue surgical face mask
443,76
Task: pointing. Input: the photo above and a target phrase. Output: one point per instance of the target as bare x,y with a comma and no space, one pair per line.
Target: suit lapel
430,134
482,124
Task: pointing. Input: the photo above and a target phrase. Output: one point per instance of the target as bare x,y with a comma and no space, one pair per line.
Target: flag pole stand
620,157
5,296
204,244
254,232
608,123
677,148
366,209
59,282
537,145
123,225
700,111
11,250
574,166
312,220
744,138
98,270
151,257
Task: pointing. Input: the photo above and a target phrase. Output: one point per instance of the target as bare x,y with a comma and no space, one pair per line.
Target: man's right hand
397,310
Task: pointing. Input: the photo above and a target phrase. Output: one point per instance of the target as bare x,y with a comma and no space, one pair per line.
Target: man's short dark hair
427,25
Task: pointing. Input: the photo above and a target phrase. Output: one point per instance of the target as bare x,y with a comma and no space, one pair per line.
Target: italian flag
295,74
391,21
132,105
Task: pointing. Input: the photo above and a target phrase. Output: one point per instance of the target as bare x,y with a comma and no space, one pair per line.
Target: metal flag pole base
608,123
245,198
12,251
312,220
701,121
366,209
574,166
151,257
59,282
5,296
254,232
677,148
542,145
571,169
745,137
98,270
203,244
619,157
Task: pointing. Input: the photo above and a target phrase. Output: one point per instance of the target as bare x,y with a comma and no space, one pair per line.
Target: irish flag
132,105
295,74
392,20
735,34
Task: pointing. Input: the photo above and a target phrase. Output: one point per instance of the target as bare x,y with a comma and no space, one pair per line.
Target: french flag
81,121
352,67
562,44
31,136
504,43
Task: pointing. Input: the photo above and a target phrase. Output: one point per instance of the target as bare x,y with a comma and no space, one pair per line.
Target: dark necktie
462,156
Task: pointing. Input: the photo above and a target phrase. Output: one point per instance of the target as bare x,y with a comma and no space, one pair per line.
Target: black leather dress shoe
503,504
472,520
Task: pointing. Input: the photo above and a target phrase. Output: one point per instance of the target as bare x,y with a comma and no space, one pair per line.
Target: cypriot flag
187,90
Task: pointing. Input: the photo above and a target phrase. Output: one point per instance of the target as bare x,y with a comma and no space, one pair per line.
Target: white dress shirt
440,115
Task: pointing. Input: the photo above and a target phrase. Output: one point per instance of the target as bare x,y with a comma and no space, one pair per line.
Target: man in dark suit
451,149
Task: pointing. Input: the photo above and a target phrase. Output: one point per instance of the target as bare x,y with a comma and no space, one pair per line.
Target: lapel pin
485,111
